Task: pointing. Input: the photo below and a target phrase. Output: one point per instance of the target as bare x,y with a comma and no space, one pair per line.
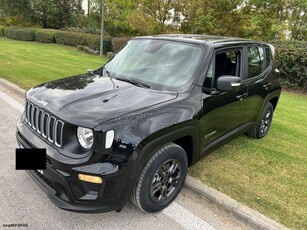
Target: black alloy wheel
266,122
161,179
165,180
263,127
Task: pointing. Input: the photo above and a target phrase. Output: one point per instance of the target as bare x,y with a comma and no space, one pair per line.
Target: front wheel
262,128
161,179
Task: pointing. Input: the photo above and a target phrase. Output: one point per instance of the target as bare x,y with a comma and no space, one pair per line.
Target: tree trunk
280,18
300,25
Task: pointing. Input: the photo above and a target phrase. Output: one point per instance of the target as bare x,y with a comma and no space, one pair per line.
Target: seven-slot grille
44,124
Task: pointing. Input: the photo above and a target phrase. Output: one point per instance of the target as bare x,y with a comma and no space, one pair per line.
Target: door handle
266,86
260,80
242,96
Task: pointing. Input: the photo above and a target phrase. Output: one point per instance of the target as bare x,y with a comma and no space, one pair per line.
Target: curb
12,87
245,214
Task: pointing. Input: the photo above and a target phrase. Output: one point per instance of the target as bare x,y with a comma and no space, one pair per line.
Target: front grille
44,124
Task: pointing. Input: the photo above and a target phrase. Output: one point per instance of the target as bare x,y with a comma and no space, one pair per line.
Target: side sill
227,137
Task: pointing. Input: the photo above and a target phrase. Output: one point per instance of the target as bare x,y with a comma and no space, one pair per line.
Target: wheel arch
272,98
186,137
274,101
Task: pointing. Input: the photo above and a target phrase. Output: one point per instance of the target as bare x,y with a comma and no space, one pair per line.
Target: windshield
158,64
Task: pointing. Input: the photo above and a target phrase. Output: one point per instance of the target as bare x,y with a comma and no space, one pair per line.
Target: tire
154,191
262,128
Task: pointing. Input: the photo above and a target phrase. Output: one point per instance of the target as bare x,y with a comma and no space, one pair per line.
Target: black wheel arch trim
152,143
269,97
146,148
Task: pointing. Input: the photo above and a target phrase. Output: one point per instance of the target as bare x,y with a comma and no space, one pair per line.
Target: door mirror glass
228,83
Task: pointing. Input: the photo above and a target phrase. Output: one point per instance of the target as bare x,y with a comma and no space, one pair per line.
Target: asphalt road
23,202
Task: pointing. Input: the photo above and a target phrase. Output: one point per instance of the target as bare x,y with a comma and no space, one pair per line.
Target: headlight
85,137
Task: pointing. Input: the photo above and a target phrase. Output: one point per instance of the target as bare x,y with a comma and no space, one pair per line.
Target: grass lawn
30,63
269,175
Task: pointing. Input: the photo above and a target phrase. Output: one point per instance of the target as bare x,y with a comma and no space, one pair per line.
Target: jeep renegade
131,128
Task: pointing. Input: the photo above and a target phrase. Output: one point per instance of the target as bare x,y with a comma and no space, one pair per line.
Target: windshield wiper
134,82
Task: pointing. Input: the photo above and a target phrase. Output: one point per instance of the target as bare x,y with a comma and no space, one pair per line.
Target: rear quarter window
268,57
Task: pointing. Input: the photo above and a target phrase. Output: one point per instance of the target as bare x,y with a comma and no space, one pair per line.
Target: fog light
91,179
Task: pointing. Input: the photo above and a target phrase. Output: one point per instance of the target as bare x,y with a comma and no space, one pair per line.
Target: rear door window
256,63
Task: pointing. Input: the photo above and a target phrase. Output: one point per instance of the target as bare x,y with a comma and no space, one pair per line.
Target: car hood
89,99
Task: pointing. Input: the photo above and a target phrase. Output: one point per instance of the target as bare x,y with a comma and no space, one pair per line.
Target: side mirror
228,83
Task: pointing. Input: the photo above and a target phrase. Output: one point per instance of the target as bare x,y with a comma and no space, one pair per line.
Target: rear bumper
61,183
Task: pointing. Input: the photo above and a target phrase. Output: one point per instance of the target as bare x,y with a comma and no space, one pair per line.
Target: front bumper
62,197
61,184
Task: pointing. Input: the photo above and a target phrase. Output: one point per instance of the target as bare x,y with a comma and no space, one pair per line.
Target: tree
88,7
156,16
266,19
217,17
46,13
17,12
257,19
56,14
116,17
297,20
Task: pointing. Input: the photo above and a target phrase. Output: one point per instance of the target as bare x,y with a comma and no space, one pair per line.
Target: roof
202,39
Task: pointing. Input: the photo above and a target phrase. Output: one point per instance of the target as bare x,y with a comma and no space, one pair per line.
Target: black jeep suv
133,127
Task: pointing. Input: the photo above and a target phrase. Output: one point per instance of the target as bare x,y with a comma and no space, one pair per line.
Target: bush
19,33
68,38
93,42
291,60
89,40
1,30
107,44
119,42
72,29
85,30
46,36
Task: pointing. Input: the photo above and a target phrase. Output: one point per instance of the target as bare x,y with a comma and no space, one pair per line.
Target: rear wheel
262,128
161,179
